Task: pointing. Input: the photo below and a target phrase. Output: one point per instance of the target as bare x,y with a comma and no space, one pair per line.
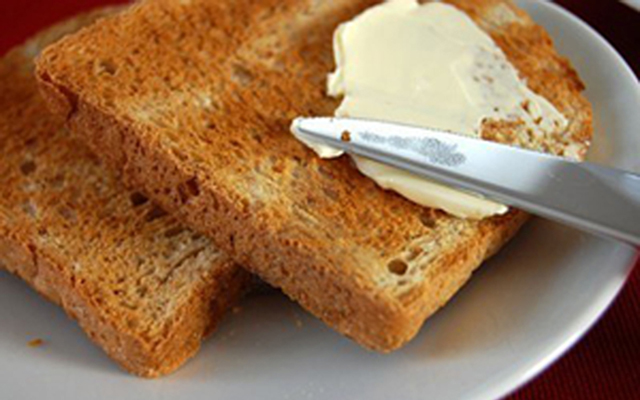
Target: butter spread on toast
429,65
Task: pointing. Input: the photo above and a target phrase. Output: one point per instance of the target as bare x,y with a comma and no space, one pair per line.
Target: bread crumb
346,136
35,343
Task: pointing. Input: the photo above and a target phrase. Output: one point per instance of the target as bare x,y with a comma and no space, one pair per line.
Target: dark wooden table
617,22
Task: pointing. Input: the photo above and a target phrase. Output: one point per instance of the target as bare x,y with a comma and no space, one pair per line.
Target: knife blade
590,197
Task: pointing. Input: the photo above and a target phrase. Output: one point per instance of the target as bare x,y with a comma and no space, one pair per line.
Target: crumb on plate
35,343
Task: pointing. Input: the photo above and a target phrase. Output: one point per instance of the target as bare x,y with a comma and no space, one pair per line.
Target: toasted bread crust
207,137
52,195
184,332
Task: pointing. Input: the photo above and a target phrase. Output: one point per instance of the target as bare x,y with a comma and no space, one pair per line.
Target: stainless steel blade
601,200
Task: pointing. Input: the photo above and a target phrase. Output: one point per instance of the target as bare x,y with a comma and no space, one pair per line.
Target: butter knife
597,199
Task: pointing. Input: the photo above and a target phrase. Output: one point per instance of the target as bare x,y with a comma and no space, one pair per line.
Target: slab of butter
429,65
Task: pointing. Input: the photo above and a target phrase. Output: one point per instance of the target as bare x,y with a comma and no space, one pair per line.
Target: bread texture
192,101
143,287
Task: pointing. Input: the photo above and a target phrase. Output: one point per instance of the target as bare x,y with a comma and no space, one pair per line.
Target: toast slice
192,102
143,287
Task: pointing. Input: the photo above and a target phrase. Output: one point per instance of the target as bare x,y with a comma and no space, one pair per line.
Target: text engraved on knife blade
436,151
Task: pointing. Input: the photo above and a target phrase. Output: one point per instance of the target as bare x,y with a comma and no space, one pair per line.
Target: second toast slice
141,285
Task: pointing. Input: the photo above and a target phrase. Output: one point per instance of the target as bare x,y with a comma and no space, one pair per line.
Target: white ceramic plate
520,312
633,3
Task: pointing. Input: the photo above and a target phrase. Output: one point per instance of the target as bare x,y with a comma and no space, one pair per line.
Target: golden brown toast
192,102
143,287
